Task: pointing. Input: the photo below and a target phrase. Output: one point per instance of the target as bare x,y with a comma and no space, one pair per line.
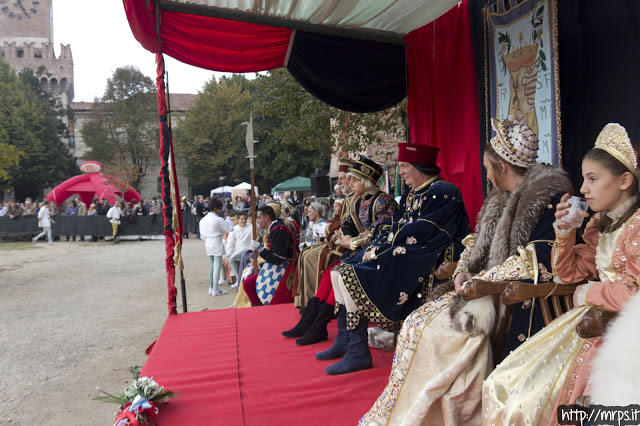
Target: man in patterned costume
278,251
369,207
314,259
392,275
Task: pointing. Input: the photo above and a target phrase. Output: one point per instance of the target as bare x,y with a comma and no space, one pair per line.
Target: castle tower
26,41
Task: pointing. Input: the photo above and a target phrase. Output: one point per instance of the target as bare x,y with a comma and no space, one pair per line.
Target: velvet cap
417,153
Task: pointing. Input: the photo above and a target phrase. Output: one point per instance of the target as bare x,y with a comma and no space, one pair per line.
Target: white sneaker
210,291
218,293
236,285
223,282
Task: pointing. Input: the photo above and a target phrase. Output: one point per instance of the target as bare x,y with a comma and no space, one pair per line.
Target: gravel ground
76,316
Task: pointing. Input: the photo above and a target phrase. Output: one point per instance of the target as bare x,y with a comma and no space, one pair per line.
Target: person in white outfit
238,243
114,215
45,221
212,228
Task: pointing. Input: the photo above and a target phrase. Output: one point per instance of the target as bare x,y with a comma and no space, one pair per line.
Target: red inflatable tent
92,184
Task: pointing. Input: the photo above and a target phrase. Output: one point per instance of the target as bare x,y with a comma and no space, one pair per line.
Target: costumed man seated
368,208
314,259
392,276
277,254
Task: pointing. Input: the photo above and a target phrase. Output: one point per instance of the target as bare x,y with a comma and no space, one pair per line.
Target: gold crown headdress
615,140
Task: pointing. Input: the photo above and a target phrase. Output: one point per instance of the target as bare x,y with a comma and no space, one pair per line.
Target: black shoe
318,331
308,315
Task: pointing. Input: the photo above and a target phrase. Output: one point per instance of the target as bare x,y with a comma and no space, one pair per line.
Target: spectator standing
72,210
54,210
3,209
114,215
14,210
105,207
45,221
154,210
82,211
29,208
92,210
212,227
82,207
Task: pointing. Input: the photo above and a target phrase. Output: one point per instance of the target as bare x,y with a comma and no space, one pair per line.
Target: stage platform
233,367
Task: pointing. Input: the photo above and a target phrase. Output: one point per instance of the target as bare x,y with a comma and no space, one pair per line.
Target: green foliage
135,371
9,157
31,126
310,123
296,132
122,131
211,138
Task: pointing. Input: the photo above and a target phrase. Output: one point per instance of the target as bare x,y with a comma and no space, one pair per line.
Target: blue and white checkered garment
268,280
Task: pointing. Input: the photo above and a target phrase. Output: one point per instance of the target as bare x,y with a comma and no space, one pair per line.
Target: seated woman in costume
368,208
608,260
391,277
443,351
317,218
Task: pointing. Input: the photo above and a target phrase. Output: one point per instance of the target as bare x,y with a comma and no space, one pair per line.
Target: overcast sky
101,41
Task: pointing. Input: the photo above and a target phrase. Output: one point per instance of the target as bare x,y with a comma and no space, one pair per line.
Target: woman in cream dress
553,367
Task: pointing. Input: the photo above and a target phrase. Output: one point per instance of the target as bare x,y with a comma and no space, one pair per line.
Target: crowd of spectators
74,206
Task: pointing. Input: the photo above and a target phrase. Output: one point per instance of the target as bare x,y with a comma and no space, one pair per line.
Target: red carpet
232,367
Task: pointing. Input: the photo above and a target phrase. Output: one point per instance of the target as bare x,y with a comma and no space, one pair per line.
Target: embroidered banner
521,70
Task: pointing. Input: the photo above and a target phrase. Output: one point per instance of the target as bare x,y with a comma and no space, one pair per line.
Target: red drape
209,43
443,100
167,207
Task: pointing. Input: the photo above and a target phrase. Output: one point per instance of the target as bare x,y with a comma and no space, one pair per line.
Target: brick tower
26,41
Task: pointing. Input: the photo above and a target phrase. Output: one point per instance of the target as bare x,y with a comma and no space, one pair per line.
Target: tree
297,133
123,129
211,138
312,124
33,154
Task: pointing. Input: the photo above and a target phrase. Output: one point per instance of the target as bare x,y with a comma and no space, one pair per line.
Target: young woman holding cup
551,368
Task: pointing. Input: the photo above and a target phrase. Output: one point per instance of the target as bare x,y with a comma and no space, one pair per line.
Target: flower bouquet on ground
138,403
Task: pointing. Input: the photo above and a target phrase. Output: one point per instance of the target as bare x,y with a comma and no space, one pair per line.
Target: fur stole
615,371
505,222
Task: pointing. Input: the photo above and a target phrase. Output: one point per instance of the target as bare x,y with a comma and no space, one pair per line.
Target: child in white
212,228
238,243
45,221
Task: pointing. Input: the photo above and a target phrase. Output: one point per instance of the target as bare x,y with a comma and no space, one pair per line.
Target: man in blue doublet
393,275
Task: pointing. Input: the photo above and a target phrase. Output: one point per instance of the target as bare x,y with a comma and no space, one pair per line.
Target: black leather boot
308,315
318,331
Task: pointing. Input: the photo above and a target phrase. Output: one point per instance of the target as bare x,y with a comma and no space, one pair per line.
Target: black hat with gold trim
367,168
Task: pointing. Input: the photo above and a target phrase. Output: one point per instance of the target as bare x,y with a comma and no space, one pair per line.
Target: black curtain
599,57
347,73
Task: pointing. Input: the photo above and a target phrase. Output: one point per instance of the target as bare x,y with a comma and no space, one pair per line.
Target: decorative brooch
399,250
